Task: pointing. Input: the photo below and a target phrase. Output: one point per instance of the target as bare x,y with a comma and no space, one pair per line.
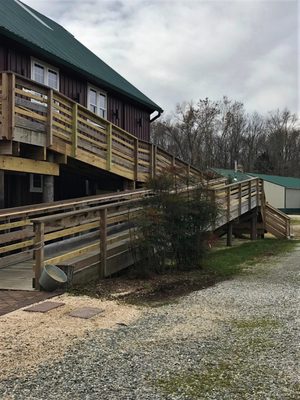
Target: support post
109,147
8,106
228,204
240,199
229,234
103,243
249,195
2,193
254,226
39,229
257,192
49,139
48,184
74,129
48,188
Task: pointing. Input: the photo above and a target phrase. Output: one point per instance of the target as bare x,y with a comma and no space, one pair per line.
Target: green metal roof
285,181
231,174
32,29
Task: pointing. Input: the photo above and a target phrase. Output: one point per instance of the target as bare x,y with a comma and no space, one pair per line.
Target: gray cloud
183,50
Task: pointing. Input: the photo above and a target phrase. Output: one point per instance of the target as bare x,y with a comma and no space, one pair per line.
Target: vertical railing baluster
39,230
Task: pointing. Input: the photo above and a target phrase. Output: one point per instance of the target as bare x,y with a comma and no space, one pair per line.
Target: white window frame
46,67
98,91
36,189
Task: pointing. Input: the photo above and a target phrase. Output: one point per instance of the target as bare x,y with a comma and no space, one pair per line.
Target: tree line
218,133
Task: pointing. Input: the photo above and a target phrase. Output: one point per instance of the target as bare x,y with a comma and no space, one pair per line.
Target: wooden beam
103,242
254,226
109,147
74,130
49,140
8,106
39,229
18,164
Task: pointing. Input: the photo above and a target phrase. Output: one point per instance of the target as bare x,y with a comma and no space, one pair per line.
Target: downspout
156,116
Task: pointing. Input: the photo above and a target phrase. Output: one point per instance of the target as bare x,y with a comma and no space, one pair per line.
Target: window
97,101
45,74
36,183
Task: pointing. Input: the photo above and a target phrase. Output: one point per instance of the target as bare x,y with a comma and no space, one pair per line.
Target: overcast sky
176,51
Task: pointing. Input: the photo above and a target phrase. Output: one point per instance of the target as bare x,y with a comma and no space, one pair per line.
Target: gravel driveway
236,340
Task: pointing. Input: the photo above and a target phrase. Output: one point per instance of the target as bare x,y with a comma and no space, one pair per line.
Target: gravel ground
236,340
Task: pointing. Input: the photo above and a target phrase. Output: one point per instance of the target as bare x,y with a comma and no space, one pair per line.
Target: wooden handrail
73,130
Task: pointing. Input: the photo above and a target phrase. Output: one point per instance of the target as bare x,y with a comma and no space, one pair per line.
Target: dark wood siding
137,122
73,87
115,111
18,62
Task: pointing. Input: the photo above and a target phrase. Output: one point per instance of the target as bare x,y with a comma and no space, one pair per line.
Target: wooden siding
72,87
130,117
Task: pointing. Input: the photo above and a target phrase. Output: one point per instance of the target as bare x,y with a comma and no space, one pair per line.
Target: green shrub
173,227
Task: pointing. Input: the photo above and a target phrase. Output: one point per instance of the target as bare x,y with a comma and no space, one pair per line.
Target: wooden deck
38,116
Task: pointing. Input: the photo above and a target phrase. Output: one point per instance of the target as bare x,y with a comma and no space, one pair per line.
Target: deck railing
35,114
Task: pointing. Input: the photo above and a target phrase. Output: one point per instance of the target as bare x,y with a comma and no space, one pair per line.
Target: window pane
93,108
52,79
93,97
38,73
102,99
102,113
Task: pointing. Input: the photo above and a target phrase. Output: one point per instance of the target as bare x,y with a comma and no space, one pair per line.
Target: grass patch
230,261
158,290
256,323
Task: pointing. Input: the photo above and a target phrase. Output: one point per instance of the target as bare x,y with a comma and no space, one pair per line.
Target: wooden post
109,147
229,234
48,188
8,106
39,229
228,204
257,192
253,234
49,139
2,193
240,199
249,195
103,243
151,159
136,159
48,184
74,129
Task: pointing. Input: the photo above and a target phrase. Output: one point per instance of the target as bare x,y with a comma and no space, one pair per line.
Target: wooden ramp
277,222
93,236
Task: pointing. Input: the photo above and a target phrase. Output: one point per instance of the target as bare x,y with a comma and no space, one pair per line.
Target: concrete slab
86,312
17,277
44,307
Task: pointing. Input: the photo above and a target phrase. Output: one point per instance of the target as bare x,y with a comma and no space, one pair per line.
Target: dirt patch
29,339
154,291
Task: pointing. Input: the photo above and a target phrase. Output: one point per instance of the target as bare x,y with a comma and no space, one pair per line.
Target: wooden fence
16,227
276,222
